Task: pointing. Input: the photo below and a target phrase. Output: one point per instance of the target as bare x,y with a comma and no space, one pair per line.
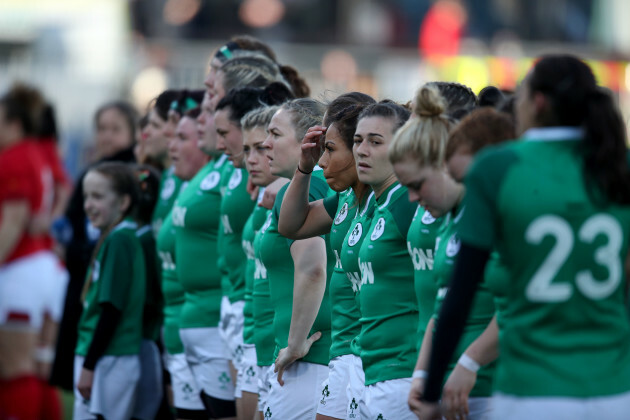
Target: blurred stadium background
82,53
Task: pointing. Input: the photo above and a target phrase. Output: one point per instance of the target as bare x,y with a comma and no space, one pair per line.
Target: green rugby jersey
236,207
276,258
421,245
118,277
350,258
482,310
154,302
196,219
344,316
262,306
389,310
172,290
565,328
253,225
169,190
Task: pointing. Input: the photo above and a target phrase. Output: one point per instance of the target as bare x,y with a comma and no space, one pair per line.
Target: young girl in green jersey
389,314
253,377
187,160
331,145
150,387
107,365
297,273
556,205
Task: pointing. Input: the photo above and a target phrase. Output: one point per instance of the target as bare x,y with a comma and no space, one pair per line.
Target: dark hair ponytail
298,85
577,101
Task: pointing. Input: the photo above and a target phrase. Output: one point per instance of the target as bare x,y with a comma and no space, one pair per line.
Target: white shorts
355,388
248,372
616,407
264,386
31,287
387,400
208,360
150,389
185,389
113,390
299,397
333,397
231,329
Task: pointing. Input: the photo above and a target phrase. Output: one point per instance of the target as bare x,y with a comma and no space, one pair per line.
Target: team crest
452,247
343,213
355,235
235,179
210,181
378,229
168,189
427,218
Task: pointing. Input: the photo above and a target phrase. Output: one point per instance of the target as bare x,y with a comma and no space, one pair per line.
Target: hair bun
428,102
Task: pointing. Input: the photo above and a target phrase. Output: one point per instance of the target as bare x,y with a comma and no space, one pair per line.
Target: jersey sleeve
402,211
116,270
479,223
14,184
331,204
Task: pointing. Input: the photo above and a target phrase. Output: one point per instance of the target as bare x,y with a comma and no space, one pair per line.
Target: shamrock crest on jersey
378,229
353,406
235,179
210,181
168,189
224,379
325,394
355,236
268,413
343,213
427,218
452,247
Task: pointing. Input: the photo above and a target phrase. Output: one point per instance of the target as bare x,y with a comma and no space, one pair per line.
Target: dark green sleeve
402,211
478,226
116,270
331,205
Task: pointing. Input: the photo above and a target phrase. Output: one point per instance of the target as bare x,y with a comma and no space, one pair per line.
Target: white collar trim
553,133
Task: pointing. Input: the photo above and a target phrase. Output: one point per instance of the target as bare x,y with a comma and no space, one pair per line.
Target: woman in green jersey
107,365
389,314
297,273
556,205
253,378
187,160
331,146
236,207
420,162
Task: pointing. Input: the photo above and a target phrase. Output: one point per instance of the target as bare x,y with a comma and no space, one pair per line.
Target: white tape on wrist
469,363
419,374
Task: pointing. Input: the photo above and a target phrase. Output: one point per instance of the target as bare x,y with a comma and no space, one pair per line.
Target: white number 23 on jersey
541,287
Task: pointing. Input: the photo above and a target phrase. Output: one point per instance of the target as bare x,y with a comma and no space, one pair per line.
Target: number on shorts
541,287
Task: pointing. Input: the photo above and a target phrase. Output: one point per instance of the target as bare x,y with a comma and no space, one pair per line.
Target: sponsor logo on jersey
167,261
343,213
422,258
355,280
210,181
355,235
225,222
179,216
337,259
452,247
235,179
379,229
367,274
168,189
427,218
261,271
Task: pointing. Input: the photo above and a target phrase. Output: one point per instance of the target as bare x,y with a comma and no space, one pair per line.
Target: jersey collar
553,134
126,224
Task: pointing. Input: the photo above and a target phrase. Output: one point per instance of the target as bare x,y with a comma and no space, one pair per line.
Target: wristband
305,173
419,374
45,354
469,363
